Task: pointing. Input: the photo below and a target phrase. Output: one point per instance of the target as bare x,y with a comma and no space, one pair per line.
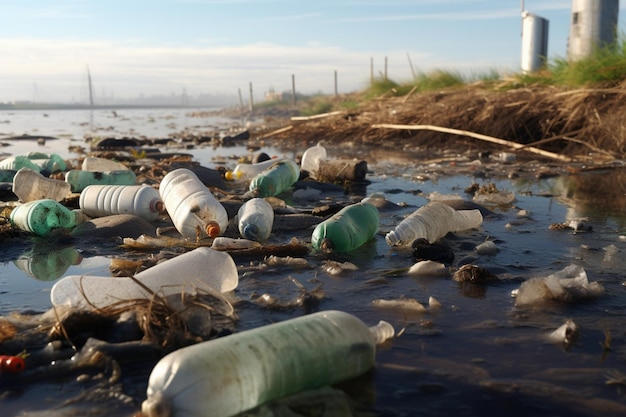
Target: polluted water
463,343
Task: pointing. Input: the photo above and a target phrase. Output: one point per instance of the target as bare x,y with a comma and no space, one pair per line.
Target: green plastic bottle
346,230
43,216
79,179
276,179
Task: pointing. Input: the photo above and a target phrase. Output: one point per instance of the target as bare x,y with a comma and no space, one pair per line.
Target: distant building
273,95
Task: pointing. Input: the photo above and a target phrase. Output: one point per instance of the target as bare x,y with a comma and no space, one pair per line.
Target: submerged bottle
432,222
248,171
255,219
232,374
202,269
105,200
311,159
80,179
94,163
44,216
347,229
194,210
275,179
29,185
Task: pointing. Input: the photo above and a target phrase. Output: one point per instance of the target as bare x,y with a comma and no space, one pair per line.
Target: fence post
251,98
336,90
293,90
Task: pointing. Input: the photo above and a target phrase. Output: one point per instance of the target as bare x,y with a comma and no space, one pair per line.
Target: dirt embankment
584,124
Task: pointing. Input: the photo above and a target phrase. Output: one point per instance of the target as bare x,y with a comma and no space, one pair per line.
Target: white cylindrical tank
594,24
534,42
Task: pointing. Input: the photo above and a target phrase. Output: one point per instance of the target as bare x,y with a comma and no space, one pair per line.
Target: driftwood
503,142
317,116
341,170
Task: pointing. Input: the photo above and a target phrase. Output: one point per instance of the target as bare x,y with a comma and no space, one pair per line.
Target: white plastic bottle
29,185
249,171
432,222
202,269
94,163
194,210
105,200
255,219
311,159
80,179
231,374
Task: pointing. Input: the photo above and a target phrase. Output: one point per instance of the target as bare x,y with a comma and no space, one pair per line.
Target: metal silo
534,42
594,24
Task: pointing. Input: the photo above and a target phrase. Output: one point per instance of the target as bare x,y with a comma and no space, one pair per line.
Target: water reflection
47,263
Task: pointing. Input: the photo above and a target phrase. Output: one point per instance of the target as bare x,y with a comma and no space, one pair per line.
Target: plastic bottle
29,185
249,171
80,179
44,216
347,229
49,161
105,200
94,163
17,162
7,175
191,205
432,222
255,219
275,179
229,375
50,265
202,269
311,159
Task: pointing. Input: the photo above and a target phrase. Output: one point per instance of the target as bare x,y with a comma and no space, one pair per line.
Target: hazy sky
149,47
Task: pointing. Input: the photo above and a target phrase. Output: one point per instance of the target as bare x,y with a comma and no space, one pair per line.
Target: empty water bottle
276,179
36,161
232,374
311,159
80,179
94,163
432,222
202,269
194,210
44,216
105,200
248,171
30,185
17,162
255,219
347,229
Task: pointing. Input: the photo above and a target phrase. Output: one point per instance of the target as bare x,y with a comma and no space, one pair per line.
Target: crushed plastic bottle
232,374
80,179
255,219
105,200
202,269
96,164
276,179
248,171
42,217
347,229
194,210
311,159
30,185
432,222
37,161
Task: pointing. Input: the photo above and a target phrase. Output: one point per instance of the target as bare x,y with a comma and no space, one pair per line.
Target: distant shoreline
58,106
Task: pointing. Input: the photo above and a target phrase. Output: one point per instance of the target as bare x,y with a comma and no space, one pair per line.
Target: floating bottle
105,200
49,265
432,222
232,374
347,229
255,219
194,210
311,159
80,179
44,216
202,269
30,185
94,163
248,171
275,179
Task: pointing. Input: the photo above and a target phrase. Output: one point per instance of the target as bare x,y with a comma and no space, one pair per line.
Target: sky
138,48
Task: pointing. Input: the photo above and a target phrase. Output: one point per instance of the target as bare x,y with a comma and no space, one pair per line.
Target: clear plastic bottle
311,159
202,269
347,229
44,216
30,185
191,205
432,222
80,179
255,219
232,374
275,179
94,163
249,171
105,200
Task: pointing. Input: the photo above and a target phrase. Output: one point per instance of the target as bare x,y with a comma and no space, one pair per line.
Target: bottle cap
212,229
157,205
251,231
327,245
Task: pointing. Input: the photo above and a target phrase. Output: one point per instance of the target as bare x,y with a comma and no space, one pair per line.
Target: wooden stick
317,116
276,132
476,136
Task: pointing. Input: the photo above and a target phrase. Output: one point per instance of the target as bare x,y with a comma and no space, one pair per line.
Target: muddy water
478,354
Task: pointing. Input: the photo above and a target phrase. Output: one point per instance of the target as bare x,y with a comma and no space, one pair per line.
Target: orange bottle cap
213,229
